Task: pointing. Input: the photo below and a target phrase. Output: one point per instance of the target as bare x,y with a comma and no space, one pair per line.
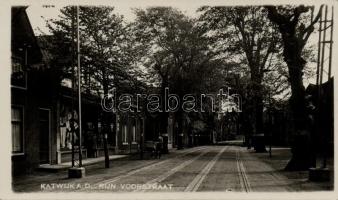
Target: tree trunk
258,138
257,102
179,136
164,115
301,159
105,129
258,114
293,43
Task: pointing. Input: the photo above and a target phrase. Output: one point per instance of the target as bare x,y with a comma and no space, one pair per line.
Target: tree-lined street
206,168
224,99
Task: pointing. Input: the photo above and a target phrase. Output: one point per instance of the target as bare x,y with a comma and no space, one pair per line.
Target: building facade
42,110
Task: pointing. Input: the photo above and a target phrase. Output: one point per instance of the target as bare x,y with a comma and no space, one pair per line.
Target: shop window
17,129
66,82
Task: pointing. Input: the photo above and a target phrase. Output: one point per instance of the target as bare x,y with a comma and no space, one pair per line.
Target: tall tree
179,54
295,26
246,37
108,53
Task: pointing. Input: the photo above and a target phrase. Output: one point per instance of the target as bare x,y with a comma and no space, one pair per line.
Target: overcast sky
37,14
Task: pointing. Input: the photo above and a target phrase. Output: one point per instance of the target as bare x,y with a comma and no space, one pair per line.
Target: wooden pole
79,86
319,48
323,47
331,43
73,84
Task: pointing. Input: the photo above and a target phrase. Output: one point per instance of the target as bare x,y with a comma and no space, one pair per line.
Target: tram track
165,175
242,175
134,171
197,181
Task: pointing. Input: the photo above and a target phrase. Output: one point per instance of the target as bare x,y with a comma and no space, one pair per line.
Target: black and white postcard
168,99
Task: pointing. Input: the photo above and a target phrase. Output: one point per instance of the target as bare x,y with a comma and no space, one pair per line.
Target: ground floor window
17,129
69,128
124,134
134,133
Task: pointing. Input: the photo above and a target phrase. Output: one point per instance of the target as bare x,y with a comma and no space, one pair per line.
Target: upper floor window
18,75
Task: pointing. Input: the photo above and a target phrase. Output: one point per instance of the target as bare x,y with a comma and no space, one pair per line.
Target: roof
23,39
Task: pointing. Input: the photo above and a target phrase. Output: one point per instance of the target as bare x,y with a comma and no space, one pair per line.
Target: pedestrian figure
154,150
159,147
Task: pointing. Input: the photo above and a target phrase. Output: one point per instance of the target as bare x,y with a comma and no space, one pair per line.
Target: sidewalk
279,159
47,172
95,170
85,162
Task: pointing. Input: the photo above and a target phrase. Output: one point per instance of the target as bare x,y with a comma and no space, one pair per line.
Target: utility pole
79,171
331,42
322,173
73,84
322,67
270,124
79,85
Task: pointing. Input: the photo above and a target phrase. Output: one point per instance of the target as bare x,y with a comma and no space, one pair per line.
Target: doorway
44,130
